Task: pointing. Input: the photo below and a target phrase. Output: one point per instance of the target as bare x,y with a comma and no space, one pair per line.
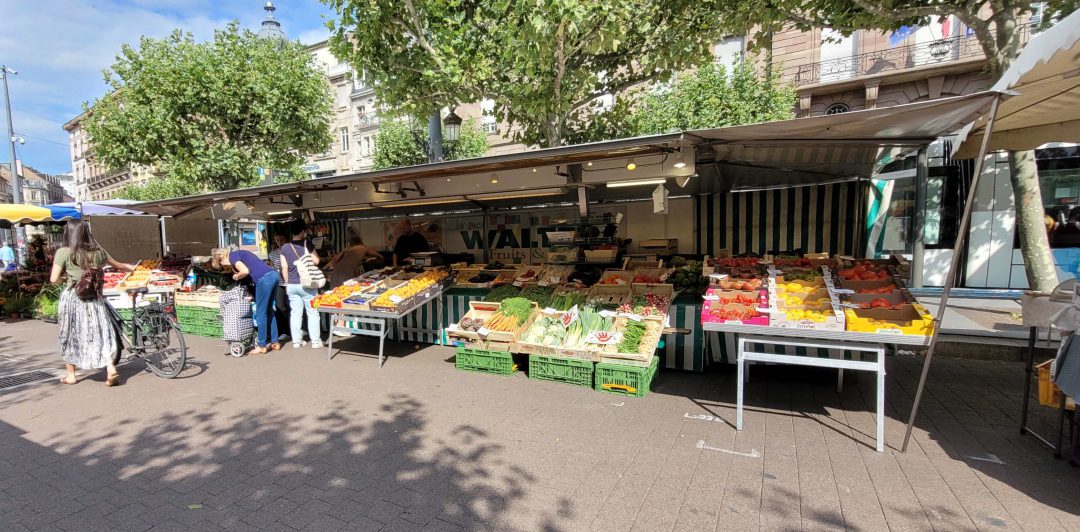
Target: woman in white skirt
87,337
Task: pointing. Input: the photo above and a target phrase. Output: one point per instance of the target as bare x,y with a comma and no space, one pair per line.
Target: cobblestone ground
291,440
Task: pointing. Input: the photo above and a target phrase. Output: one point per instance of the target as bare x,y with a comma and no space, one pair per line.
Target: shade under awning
1044,107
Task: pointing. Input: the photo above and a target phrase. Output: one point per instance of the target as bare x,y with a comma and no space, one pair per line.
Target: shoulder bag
311,277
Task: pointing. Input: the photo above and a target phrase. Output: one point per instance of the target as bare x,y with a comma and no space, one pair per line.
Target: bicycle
155,337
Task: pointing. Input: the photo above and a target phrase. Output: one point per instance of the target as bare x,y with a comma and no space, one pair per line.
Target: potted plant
12,306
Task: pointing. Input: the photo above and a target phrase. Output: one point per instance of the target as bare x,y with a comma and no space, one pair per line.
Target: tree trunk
1034,245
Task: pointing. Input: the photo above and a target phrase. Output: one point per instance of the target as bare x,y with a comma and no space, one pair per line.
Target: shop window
1059,179
837,108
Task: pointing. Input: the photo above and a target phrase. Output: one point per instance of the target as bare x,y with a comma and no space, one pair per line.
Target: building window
367,147
344,140
837,108
490,126
729,53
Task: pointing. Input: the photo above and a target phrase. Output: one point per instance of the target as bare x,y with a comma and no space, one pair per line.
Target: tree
711,97
543,62
209,115
399,143
157,188
994,23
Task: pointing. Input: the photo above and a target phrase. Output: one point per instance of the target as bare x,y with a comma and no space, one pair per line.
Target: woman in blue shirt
266,282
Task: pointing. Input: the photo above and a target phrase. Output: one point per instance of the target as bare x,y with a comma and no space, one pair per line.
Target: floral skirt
87,337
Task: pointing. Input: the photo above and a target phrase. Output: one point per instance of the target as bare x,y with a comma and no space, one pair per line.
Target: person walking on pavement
7,256
87,337
253,270
299,296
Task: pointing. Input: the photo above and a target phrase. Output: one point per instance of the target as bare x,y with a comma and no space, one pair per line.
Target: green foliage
396,145
157,188
47,301
543,63
208,115
710,97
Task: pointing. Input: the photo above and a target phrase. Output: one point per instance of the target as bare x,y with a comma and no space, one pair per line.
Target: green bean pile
632,335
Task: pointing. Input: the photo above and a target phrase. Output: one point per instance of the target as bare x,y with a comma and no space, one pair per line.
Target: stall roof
785,153
1044,84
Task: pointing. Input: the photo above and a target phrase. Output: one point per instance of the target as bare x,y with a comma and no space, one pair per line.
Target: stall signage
483,331
570,316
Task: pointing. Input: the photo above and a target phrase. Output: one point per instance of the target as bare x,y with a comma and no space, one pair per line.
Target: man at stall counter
408,242
7,256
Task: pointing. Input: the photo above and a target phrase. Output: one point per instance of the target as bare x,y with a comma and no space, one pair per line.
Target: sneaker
342,334
298,345
316,345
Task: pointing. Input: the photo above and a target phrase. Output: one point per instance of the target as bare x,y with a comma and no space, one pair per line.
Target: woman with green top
87,338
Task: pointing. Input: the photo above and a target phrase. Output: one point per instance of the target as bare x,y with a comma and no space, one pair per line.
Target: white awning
1044,102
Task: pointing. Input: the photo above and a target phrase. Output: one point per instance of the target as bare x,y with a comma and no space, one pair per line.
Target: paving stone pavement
293,441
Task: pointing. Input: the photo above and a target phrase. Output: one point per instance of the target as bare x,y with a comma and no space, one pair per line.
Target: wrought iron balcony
894,59
366,120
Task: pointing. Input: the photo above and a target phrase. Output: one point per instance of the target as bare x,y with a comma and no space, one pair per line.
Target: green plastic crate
202,322
209,331
558,369
197,313
484,361
625,380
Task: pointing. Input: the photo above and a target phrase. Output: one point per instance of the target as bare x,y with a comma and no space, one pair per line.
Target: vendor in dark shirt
408,242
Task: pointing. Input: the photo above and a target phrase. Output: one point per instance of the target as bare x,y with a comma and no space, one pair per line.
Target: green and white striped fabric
816,219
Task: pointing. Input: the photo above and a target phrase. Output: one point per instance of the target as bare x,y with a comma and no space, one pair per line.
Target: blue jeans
265,290
299,304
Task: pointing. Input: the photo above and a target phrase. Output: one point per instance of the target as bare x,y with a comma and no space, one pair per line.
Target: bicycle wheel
165,353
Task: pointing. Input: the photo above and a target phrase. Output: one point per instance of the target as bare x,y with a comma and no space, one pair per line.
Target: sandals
258,351
275,346
69,382
112,380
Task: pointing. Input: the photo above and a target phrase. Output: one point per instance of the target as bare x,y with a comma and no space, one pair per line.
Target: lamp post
433,146
16,181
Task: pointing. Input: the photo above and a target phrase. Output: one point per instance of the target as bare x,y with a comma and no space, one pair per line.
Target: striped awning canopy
823,149
26,214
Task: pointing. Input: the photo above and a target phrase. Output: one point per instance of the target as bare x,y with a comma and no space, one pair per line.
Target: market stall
832,312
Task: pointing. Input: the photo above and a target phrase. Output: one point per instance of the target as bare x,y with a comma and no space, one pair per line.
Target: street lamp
16,185
452,123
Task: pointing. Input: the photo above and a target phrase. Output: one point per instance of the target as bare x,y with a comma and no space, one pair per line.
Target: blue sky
60,47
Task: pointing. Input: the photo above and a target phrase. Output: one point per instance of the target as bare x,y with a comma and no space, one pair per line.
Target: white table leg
382,340
839,380
330,341
739,393
880,400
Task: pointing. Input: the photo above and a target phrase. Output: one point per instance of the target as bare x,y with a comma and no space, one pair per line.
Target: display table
753,338
377,323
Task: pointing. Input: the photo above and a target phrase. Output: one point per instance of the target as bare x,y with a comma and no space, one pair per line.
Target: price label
894,332
632,317
570,316
483,331
720,276
396,299
843,291
608,314
549,311
542,283
519,284
711,297
733,322
554,279
773,271
603,337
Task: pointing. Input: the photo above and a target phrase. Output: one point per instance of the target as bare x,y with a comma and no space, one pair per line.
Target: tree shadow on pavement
347,468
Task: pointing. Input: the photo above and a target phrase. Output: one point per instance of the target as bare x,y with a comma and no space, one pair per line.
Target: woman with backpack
87,337
299,268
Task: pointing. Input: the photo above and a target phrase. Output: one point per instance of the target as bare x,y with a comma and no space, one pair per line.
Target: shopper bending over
87,337
299,296
252,270
346,263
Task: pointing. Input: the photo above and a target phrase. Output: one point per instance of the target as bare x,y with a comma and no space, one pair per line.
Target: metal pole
435,138
16,181
950,278
918,223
